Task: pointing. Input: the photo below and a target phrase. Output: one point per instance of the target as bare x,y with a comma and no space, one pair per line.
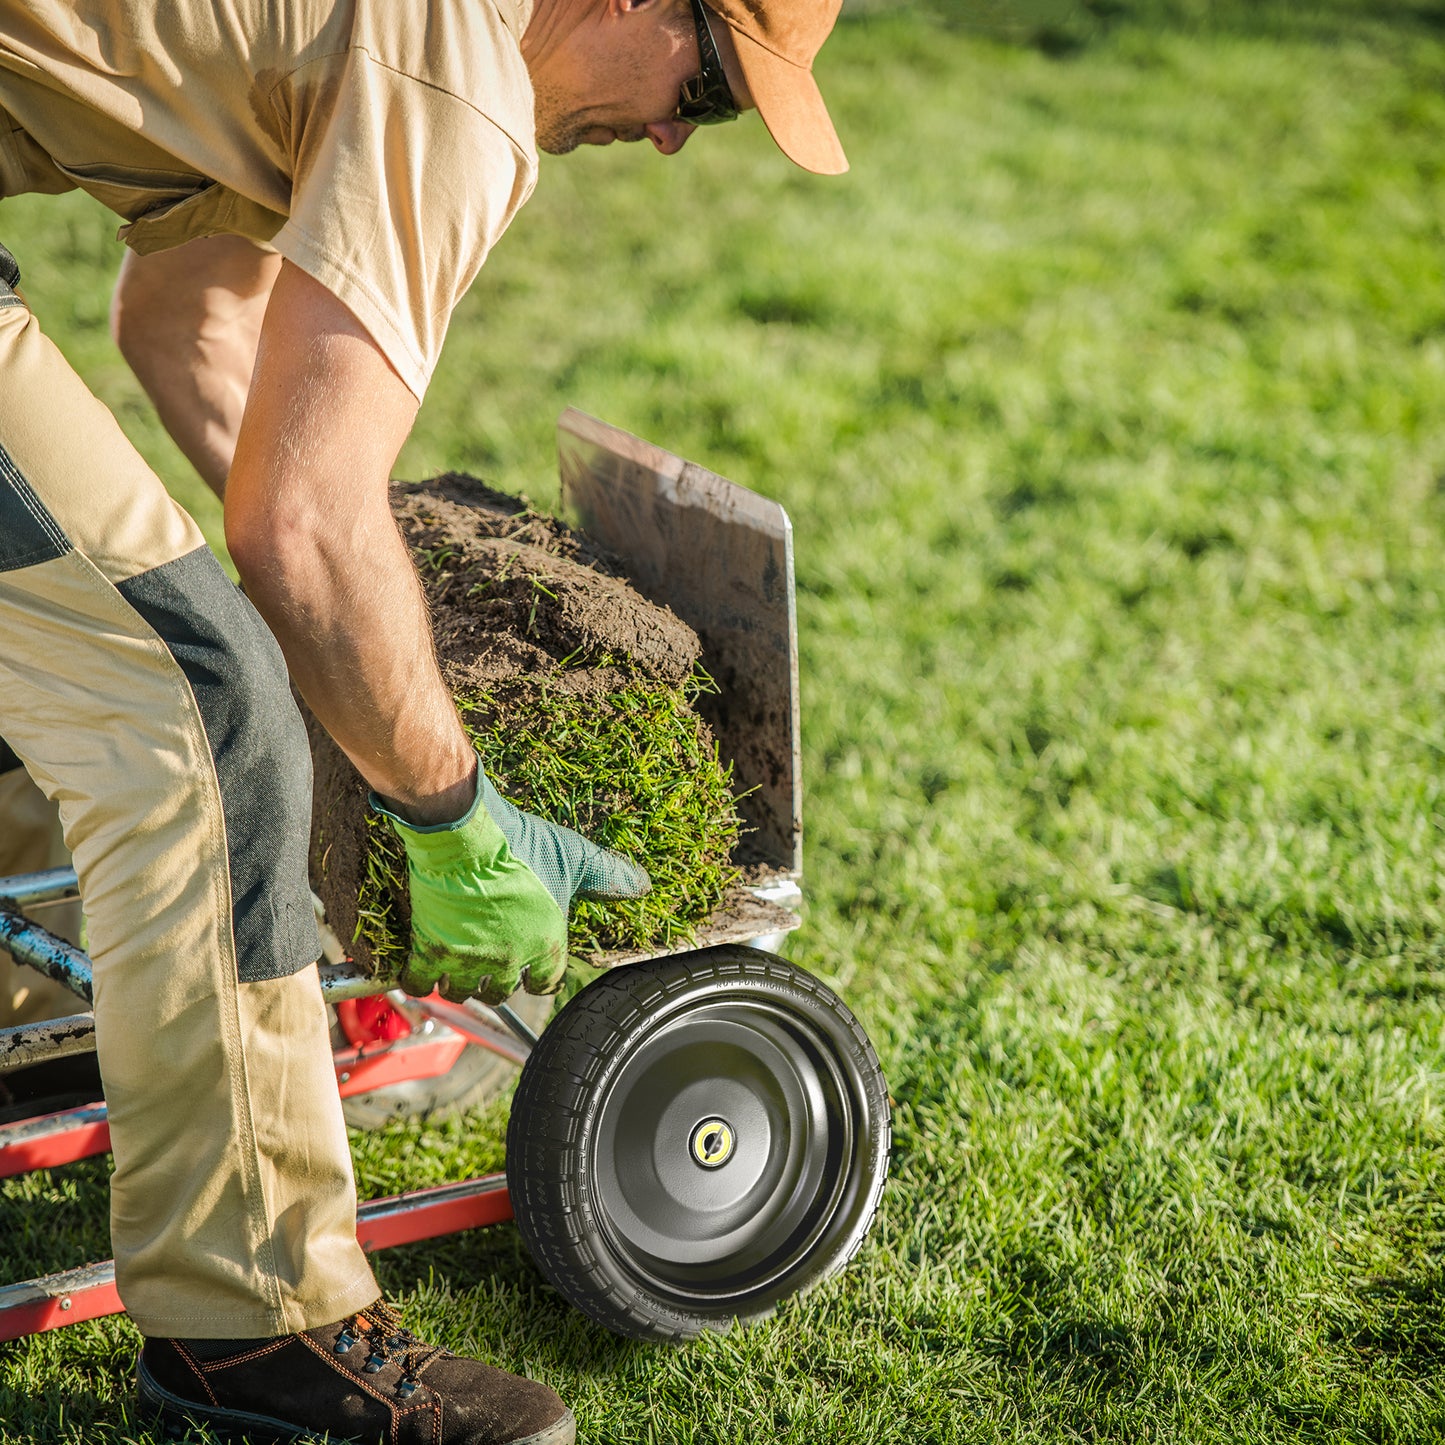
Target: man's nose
669,136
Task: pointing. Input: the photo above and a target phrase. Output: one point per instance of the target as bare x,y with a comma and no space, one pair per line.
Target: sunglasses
706,100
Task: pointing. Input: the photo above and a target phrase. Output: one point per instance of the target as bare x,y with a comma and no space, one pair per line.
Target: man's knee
258,746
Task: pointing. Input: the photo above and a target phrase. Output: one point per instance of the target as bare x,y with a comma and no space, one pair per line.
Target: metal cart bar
90,1293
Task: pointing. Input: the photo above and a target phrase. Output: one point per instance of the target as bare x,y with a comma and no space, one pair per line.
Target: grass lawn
1107,395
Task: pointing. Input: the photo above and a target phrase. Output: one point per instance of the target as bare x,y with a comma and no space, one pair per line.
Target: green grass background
1106,397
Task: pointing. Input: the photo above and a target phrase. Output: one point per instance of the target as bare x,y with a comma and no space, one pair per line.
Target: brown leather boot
366,1379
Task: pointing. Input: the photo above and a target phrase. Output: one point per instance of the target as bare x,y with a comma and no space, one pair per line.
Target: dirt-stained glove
490,895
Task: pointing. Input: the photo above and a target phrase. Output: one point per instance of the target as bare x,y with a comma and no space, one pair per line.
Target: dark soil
514,595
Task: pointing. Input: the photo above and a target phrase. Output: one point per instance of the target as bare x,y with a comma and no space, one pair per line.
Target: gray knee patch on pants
258,744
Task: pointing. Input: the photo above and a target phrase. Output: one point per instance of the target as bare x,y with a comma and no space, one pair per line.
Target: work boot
366,1379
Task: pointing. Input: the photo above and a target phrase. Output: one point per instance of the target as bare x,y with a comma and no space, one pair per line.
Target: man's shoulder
471,49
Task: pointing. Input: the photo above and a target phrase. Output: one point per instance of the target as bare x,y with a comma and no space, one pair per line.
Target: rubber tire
562,1102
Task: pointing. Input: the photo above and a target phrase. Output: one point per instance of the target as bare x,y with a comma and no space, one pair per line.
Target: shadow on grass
1095,1357
1406,1325
493,1263
31,1418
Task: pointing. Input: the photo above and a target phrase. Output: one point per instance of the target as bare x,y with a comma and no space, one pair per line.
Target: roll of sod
578,693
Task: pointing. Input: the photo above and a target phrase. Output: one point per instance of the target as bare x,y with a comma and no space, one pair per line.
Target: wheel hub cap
712,1143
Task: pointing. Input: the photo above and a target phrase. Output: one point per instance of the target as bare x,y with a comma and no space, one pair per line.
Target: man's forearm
341,594
309,526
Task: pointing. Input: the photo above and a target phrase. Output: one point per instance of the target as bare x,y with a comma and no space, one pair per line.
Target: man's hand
490,895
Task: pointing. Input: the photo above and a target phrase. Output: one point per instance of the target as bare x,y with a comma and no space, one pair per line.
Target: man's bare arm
311,532
188,321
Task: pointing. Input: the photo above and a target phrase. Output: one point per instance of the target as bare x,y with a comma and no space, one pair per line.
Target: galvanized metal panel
722,558
49,886
38,1043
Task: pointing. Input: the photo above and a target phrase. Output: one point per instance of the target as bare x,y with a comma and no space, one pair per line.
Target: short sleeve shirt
381,145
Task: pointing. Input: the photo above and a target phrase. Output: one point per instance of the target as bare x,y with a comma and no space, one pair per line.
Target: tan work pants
146,698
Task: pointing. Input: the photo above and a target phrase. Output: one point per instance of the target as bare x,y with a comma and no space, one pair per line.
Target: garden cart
696,1136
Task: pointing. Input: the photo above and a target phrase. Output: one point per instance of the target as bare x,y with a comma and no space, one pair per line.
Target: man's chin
562,134
562,138
594,135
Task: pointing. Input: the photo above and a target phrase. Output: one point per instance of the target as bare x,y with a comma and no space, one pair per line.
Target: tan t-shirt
381,145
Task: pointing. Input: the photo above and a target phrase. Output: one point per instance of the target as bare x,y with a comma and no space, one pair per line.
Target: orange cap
776,41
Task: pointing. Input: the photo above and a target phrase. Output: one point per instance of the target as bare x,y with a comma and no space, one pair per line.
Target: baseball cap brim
791,105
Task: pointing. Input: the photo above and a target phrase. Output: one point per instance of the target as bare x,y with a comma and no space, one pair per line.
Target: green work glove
490,895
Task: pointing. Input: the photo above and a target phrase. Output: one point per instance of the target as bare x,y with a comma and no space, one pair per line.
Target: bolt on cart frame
728,1143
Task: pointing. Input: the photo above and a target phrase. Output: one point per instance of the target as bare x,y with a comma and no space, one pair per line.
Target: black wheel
694,1140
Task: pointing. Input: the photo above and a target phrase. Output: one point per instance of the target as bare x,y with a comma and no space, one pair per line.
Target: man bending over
308,186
